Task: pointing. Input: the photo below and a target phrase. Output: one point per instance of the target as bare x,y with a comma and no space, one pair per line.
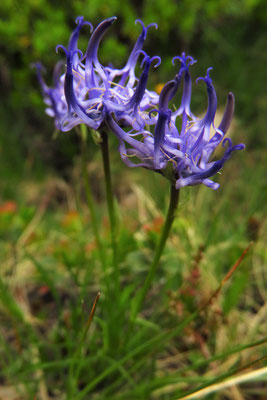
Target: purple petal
92,50
228,113
116,129
70,94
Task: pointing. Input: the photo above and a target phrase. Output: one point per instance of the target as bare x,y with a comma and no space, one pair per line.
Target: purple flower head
183,155
85,91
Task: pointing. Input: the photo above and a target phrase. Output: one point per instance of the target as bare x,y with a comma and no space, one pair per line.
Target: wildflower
87,91
182,155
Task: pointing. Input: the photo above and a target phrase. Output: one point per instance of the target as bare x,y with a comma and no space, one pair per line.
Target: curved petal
119,132
92,50
73,41
228,113
70,94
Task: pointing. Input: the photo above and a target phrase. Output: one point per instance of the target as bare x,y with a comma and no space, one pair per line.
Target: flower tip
89,24
192,60
79,20
215,186
158,61
77,51
154,25
112,19
38,66
166,94
145,59
145,29
61,47
231,98
139,21
174,59
207,78
229,141
240,146
183,59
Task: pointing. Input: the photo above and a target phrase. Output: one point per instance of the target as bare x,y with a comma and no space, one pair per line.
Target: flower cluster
188,150
147,129
87,91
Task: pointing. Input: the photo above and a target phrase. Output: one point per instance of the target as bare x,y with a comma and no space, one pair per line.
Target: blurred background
229,35
50,269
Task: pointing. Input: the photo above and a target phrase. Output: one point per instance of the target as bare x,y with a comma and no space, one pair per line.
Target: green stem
110,203
78,354
174,198
91,206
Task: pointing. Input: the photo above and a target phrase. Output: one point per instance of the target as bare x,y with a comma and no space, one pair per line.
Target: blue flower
182,155
86,92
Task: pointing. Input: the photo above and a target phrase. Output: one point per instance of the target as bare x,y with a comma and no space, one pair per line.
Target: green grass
51,273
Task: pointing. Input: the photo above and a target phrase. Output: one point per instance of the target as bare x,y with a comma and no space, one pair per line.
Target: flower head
85,91
181,154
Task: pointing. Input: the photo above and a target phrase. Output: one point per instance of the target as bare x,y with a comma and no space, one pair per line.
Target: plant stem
78,354
91,205
174,198
110,203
